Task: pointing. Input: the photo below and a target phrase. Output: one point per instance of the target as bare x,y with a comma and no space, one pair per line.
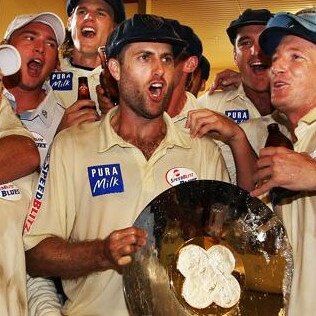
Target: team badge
105,179
61,80
176,176
238,115
10,192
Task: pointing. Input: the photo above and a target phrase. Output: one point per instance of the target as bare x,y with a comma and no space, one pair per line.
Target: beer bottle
277,138
83,89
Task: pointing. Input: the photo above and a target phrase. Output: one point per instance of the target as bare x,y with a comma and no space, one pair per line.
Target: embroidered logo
176,176
10,192
105,179
238,115
61,80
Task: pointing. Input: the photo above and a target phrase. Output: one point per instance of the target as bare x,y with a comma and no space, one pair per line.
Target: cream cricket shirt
65,82
235,104
43,121
99,183
299,218
15,198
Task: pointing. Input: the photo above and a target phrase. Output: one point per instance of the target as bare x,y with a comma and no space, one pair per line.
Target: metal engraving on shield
207,213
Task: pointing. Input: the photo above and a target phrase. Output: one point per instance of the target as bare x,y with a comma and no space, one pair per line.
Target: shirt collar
108,137
45,110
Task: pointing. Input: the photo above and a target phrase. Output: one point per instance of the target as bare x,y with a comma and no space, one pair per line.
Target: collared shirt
43,121
15,198
9,123
234,103
299,218
298,214
65,82
101,184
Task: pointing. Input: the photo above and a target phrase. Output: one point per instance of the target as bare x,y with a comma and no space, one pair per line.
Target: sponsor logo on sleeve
238,115
61,80
10,192
105,179
179,175
37,199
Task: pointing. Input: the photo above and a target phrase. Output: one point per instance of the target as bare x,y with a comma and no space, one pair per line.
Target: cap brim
10,60
285,24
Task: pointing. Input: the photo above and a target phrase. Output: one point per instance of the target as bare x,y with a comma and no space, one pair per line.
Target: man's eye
102,13
245,43
81,11
168,59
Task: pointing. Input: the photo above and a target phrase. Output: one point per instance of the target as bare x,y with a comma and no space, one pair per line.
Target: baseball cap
143,28
248,17
301,24
117,6
194,45
47,18
10,60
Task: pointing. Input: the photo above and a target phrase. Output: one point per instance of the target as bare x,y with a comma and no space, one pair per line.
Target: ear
190,64
114,68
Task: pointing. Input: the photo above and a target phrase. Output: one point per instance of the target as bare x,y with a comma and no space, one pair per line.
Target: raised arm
220,127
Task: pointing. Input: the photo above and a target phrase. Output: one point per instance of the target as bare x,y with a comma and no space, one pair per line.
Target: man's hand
226,80
82,111
219,126
105,103
121,244
282,167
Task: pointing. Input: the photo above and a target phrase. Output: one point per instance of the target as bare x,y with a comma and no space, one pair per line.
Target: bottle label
61,80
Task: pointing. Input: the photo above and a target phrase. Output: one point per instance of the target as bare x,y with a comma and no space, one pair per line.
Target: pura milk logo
105,179
61,80
238,116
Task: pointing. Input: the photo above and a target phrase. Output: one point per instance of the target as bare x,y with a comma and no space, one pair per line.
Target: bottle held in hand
277,138
83,89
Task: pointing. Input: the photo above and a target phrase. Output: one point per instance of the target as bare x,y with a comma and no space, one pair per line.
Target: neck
145,134
27,100
86,60
261,100
177,100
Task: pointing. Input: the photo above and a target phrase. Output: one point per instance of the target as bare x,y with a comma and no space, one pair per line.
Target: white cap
10,60
48,18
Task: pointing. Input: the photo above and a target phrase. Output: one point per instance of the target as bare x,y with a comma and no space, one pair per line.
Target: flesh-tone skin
293,93
37,46
145,76
90,24
18,157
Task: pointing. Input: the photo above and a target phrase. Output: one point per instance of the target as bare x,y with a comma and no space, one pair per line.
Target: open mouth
155,90
259,66
35,64
88,32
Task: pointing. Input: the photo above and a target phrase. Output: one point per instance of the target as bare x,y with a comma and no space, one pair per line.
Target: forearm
55,257
18,157
245,161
